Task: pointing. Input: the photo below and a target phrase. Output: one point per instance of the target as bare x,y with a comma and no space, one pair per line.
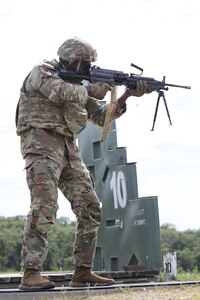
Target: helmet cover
75,48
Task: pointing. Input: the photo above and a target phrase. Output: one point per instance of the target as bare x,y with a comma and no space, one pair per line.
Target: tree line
61,236
185,243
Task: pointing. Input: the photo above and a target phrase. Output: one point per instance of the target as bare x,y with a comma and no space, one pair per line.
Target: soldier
51,113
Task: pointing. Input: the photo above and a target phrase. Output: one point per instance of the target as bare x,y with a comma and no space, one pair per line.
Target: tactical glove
98,90
141,89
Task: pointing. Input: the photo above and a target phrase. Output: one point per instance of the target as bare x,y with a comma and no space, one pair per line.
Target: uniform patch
49,72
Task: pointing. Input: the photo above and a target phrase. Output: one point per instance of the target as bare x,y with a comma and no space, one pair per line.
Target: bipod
161,94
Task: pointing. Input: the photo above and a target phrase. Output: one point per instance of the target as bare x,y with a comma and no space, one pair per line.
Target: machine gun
113,77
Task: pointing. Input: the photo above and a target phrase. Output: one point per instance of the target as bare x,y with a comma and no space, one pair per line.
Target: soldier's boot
33,281
84,277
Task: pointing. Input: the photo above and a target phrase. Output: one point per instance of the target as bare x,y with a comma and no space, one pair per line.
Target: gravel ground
182,293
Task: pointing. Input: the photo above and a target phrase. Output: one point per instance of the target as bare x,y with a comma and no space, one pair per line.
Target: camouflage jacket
48,104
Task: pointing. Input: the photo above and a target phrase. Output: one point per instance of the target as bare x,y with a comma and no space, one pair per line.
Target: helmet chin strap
63,63
78,65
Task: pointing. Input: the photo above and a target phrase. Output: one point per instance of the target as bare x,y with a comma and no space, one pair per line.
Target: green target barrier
129,235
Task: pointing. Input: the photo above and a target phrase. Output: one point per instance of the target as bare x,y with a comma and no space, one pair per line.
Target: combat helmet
75,48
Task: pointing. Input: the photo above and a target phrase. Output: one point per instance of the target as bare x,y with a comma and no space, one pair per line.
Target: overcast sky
160,36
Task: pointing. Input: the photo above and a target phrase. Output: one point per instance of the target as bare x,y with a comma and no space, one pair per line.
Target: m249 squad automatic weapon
117,78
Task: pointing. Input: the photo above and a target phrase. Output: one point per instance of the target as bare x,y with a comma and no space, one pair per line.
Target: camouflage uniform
51,113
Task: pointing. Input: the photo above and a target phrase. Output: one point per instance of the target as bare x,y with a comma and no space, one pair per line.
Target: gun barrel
179,86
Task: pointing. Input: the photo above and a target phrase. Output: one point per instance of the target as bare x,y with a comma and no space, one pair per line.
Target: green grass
194,275
189,276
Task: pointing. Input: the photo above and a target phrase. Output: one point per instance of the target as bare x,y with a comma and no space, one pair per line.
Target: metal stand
161,94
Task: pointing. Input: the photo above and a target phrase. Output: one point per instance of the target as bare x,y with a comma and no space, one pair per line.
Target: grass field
182,293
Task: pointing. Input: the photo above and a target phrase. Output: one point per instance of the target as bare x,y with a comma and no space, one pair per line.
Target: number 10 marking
118,186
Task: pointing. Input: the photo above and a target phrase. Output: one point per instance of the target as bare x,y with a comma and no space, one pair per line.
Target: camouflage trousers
44,177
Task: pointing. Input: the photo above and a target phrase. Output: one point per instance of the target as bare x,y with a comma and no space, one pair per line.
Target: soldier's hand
98,90
141,89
